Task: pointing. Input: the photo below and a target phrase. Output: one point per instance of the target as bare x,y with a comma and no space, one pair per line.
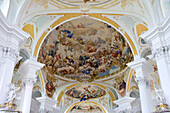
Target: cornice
141,63
9,29
30,66
124,99
157,29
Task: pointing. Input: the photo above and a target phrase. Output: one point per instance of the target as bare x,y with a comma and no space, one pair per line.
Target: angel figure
12,93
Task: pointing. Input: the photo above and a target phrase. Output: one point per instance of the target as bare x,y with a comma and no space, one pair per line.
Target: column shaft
163,71
27,95
145,101
149,96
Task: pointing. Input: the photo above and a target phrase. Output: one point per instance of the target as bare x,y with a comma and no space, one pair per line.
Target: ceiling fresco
86,107
84,46
85,92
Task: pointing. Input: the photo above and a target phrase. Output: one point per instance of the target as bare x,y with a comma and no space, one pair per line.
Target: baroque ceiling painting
86,107
83,56
84,46
85,92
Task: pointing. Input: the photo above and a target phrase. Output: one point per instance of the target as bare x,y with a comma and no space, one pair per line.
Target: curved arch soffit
69,108
129,80
42,82
69,17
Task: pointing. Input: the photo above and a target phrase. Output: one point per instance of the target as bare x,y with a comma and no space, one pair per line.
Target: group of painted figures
87,108
72,54
84,47
86,92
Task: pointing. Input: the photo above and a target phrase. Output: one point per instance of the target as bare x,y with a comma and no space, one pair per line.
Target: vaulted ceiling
97,27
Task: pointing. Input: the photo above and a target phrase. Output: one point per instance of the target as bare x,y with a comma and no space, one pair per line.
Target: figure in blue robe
70,35
84,97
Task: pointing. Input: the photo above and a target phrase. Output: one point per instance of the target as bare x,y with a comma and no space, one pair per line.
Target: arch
42,81
69,16
129,80
69,108
70,86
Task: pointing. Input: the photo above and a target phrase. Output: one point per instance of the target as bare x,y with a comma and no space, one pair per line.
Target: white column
143,69
159,40
124,105
11,39
28,69
144,98
47,104
149,95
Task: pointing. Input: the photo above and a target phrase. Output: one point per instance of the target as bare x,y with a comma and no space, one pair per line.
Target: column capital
9,52
160,52
142,80
29,81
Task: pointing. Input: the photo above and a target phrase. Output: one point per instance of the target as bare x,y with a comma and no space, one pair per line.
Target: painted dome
84,46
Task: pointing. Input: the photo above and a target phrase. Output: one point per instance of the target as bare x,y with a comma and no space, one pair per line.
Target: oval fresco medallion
84,46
